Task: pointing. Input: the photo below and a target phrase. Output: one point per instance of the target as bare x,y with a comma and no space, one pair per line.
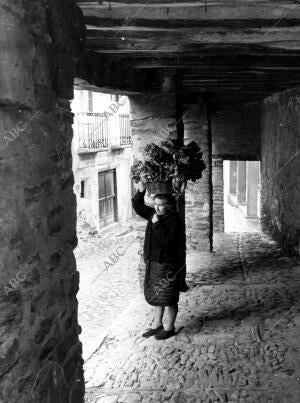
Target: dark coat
164,240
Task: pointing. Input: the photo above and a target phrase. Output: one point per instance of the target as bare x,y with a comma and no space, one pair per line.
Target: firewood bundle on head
168,167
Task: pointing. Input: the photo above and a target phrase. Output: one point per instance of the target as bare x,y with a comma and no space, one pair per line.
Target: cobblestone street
237,329
106,288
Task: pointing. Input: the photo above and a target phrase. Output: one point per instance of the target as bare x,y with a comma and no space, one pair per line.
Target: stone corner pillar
41,355
218,195
198,207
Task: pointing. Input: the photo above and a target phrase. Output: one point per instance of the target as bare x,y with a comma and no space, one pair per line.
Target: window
82,189
107,195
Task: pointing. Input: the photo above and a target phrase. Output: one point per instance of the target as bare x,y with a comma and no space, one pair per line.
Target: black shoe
164,334
152,332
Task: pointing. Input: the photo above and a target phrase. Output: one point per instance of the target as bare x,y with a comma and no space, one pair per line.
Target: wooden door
107,196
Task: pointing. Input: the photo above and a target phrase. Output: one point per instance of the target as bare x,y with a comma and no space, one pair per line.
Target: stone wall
40,353
198,207
281,168
152,118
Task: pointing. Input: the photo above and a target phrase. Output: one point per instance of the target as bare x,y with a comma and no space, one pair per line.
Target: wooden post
180,139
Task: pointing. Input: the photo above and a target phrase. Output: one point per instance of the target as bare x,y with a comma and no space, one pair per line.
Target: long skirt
161,284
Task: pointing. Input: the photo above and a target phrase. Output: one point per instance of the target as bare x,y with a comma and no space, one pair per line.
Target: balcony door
107,195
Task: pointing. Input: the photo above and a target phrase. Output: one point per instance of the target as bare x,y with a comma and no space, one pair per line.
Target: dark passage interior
225,74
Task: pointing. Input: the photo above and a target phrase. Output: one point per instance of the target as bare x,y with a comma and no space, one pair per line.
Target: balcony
92,131
96,132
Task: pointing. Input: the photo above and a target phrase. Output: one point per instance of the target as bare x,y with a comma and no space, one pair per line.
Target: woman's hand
154,219
149,199
139,186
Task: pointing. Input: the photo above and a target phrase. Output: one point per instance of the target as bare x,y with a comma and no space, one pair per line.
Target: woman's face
160,206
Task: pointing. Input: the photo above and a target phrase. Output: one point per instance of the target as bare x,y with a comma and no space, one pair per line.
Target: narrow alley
237,330
140,136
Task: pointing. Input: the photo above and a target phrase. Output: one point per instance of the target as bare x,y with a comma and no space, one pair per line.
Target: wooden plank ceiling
241,49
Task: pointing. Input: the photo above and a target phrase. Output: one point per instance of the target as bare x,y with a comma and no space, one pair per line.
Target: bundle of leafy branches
169,162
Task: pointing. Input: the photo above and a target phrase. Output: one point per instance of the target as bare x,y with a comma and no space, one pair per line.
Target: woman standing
164,255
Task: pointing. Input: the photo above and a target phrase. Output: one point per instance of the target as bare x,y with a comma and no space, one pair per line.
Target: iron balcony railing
92,129
97,131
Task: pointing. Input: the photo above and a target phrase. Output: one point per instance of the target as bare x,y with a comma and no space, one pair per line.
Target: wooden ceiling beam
223,84
172,50
227,52
200,35
215,81
217,61
195,11
125,45
136,24
259,75
191,50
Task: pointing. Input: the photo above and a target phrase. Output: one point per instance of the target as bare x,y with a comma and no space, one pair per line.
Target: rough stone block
16,57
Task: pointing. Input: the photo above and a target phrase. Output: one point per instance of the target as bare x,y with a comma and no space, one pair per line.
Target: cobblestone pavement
238,332
108,279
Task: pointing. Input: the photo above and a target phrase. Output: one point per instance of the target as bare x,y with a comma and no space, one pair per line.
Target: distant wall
87,165
87,168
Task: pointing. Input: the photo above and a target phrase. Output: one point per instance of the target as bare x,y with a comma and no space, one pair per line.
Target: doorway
107,197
